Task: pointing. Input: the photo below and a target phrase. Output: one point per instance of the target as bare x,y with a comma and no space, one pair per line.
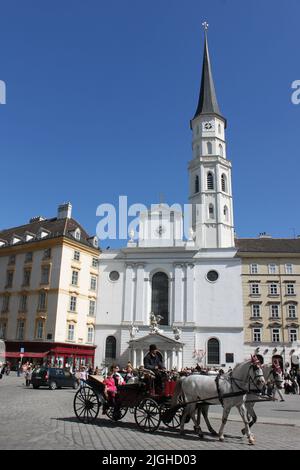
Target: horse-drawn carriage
178,401
141,398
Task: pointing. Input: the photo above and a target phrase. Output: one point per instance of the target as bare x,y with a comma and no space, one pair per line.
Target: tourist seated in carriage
128,373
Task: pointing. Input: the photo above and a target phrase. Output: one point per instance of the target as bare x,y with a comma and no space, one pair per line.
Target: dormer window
95,242
77,234
29,236
15,239
43,233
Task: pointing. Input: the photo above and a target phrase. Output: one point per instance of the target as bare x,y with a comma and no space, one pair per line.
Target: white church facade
192,285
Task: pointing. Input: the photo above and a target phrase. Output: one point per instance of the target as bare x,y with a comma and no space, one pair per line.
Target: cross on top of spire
205,26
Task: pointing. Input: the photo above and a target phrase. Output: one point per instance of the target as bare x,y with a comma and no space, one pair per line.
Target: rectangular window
288,268
40,329
253,268
275,335
290,289
257,335
3,330
26,277
273,288
95,263
5,303
92,309
71,330
73,302
272,268
28,257
9,278
47,253
256,310
23,303
77,255
20,329
254,288
293,336
42,304
12,259
274,310
45,275
292,313
93,283
75,275
90,335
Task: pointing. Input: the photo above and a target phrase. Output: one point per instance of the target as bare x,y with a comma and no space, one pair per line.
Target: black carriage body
140,398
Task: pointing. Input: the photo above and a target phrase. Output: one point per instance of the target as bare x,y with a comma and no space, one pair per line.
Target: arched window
224,183
197,184
210,181
219,128
160,297
110,348
221,153
209,148
211,211
225,210
213,351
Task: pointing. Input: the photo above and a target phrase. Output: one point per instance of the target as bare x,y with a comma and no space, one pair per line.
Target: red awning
26,354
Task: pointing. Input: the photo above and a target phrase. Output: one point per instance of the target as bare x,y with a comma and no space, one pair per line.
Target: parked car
53,378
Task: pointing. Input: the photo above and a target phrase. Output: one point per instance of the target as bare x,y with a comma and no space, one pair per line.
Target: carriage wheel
147,415
86,404
175,421
116,414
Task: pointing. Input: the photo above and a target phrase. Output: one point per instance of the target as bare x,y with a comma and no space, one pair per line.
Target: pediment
162,342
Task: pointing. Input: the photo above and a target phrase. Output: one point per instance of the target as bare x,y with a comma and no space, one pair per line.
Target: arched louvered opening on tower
209,148
224,183
197,185
210,180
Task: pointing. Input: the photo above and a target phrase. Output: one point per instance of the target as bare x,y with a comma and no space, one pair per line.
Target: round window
114,276
212,276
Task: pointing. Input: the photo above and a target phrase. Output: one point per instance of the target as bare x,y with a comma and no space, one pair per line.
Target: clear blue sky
100,94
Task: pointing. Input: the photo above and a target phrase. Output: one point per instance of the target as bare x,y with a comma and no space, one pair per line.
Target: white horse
229,389
272,374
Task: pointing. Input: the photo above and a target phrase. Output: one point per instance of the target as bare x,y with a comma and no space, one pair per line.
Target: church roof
207,103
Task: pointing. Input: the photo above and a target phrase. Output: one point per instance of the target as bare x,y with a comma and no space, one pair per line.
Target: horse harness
235,381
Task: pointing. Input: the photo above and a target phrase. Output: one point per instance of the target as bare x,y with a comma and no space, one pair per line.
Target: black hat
152,347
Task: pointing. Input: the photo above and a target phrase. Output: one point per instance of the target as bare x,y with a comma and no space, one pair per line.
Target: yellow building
48,290
271,296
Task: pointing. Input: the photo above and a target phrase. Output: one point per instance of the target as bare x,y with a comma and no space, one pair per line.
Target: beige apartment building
271,297
48,290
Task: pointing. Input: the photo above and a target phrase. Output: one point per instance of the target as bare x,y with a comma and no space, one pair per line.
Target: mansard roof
267,245
55,227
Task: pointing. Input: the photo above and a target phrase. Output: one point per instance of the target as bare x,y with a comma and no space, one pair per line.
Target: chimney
38,218
64,211
264,235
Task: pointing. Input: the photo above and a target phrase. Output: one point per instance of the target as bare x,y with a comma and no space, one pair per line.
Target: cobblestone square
44,419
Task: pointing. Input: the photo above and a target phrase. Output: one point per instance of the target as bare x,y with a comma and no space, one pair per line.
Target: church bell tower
209,171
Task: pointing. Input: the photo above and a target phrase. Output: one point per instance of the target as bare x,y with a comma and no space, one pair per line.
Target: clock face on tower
208,125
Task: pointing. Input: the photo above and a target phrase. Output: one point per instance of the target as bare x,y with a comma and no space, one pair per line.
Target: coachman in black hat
153,361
